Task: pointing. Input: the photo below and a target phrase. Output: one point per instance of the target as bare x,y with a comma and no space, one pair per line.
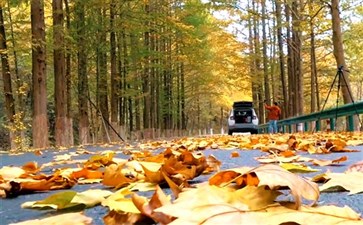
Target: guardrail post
318,125
332,123
290,128
283,129
351,123
306,126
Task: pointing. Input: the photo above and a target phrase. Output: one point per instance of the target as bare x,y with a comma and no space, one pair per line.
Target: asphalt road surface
11,212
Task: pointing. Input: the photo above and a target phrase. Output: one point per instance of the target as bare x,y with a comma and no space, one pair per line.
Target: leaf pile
267,194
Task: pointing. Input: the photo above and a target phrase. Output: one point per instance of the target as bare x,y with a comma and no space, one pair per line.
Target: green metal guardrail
348,110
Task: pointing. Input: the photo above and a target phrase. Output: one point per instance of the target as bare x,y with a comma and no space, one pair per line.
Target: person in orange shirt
274,113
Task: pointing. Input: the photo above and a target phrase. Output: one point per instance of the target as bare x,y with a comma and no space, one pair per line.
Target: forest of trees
97,71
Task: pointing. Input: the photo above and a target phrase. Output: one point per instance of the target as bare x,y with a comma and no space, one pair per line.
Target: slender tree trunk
146,81
339,51
339,56
102,84
296,37
253,73
40,119
290,63
60,85
314,106
8,91
69,79
281,58
115,77
264,52
257,64
20,106
84,136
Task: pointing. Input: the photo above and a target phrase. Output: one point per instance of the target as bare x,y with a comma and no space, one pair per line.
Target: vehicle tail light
231,117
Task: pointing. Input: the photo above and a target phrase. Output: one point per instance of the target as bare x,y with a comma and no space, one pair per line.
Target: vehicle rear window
243,115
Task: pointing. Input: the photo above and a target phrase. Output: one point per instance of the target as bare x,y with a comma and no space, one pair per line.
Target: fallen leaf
350,181
114,177
118,218
356,167
234,154
62,219
297,168
272,176
69,200
319,162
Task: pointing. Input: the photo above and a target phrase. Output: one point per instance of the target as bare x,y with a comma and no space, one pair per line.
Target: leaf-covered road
11,211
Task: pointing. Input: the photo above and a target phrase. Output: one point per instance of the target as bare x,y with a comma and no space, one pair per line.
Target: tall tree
83,97
8,91
102,75
40,119
60,85
69,76
339,55
115,77
281,57
265,57
339,51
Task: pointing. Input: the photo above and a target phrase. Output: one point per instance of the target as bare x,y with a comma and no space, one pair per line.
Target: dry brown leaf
319,162
158,200
87,174
114,177
234,154
118,218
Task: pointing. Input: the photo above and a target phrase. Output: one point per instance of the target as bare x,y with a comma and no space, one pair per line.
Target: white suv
242,118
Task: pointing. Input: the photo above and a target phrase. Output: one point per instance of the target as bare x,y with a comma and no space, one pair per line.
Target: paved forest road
11,212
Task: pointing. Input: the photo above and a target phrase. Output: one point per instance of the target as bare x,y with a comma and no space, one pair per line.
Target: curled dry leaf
274,177
319,162
147,208
62,219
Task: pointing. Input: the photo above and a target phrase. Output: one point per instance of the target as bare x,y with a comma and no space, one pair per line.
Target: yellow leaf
350,181
297,168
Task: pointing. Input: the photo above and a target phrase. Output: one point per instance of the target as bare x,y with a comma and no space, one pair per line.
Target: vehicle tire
230,132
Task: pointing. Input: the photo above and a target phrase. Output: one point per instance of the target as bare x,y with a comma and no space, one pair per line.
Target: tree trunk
281,58
265,57
115,77
296,38
339,56
339,51
69,79
314,105
290,63
102,85
254,84
8,91
257,65
40,119
84,136
146,81
60,85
